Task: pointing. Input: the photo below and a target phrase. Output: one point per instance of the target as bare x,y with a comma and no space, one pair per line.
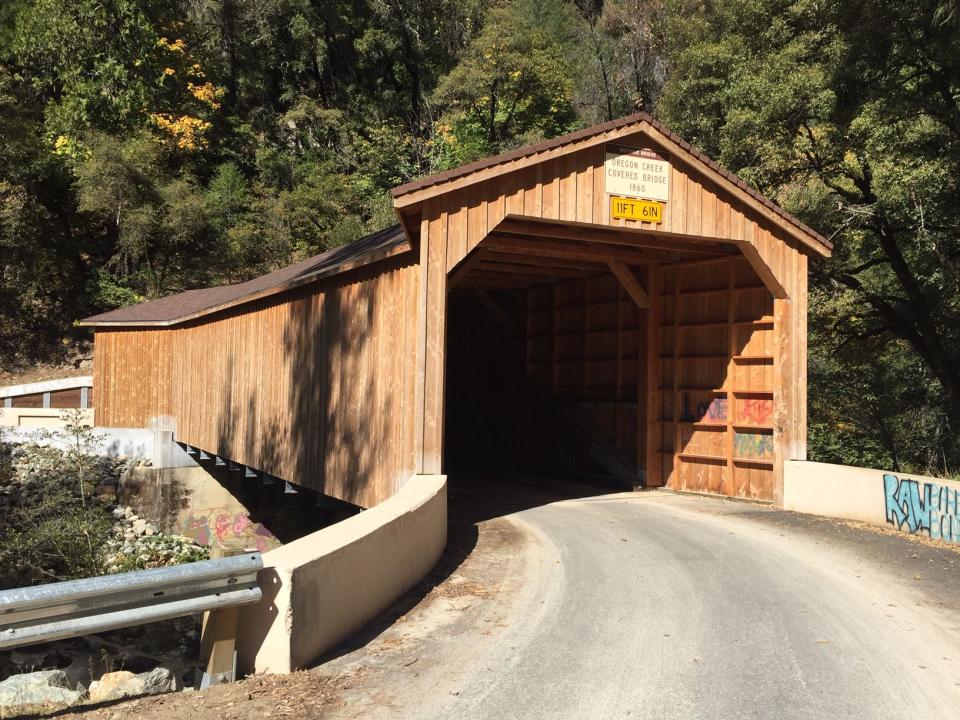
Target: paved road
660,606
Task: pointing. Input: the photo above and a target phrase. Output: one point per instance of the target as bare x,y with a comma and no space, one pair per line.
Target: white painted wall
33,418
155,445
909,503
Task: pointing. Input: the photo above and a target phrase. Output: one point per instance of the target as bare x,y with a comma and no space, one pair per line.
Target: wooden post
653,474
218,636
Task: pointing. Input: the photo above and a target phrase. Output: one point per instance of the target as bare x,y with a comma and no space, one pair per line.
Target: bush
52,522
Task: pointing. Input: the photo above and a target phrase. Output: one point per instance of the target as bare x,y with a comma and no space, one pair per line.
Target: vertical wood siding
316,388
585,342
772,268
728,379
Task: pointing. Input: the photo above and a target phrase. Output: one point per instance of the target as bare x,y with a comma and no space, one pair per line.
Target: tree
848,114
627,67
514,81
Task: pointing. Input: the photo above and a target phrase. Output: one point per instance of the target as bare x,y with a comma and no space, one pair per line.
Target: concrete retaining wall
910,503
190,501
155,445
320,589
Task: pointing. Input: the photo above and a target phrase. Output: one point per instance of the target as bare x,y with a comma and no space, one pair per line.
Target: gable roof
179,308
440,181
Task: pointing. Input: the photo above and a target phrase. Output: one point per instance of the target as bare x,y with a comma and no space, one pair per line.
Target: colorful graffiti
713,410
755,411
929,508
753,446
216,527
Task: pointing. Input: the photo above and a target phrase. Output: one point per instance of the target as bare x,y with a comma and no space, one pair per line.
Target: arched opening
610,364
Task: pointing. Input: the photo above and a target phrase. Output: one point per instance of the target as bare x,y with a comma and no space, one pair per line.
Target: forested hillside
149,146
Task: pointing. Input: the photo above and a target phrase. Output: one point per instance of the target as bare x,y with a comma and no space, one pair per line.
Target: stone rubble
52,676
137,544
32,466
124,684
44,688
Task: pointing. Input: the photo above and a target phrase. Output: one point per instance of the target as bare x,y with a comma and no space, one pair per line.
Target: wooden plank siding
316,387
340,385
569,189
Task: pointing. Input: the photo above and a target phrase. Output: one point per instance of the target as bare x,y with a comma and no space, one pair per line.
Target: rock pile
43,689
137,545
46,690
27,469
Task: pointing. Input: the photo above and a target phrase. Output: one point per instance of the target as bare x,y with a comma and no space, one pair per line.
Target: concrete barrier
906,502
320,589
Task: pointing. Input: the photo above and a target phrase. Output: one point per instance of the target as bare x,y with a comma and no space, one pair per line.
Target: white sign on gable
636,172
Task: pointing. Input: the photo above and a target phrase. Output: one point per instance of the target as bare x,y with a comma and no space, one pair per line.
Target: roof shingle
183,306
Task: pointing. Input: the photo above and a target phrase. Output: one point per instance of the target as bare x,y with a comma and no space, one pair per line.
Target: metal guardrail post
218,638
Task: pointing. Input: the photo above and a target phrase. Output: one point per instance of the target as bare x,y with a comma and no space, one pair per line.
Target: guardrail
83,607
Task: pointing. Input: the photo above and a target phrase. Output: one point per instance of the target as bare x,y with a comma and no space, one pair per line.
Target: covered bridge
609,303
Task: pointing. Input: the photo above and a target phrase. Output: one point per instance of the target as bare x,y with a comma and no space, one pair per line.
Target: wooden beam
571,251
504,282
492,307
462,270
529,269
631,237
630,283
763,271
680,252
508,278
654,408
544,262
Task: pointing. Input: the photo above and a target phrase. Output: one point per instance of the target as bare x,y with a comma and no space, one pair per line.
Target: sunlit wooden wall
315,387
571,188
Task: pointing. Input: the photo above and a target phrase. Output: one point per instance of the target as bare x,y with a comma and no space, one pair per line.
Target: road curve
654,605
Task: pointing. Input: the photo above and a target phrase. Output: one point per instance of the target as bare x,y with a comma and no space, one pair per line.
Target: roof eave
384,254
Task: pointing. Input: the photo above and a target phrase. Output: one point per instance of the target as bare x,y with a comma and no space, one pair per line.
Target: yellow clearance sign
630,209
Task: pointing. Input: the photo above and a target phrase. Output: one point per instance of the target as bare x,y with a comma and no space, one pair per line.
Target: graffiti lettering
928,508
226,528
755,411
753,445
716,409
710,410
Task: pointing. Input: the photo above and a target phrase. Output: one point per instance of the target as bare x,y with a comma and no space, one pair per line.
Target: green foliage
514,81
52,527
847,114
150,147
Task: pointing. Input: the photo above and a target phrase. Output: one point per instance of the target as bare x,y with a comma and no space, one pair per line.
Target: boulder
124,684
43,688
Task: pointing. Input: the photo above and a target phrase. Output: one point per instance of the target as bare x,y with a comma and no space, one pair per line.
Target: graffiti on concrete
922,507
218,527
753,446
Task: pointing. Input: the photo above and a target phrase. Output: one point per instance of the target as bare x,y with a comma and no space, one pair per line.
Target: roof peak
458,176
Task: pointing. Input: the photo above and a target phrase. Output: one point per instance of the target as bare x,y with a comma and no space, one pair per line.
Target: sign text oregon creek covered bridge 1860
609,303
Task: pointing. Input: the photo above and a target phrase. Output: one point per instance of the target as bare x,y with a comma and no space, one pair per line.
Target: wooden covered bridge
610,303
